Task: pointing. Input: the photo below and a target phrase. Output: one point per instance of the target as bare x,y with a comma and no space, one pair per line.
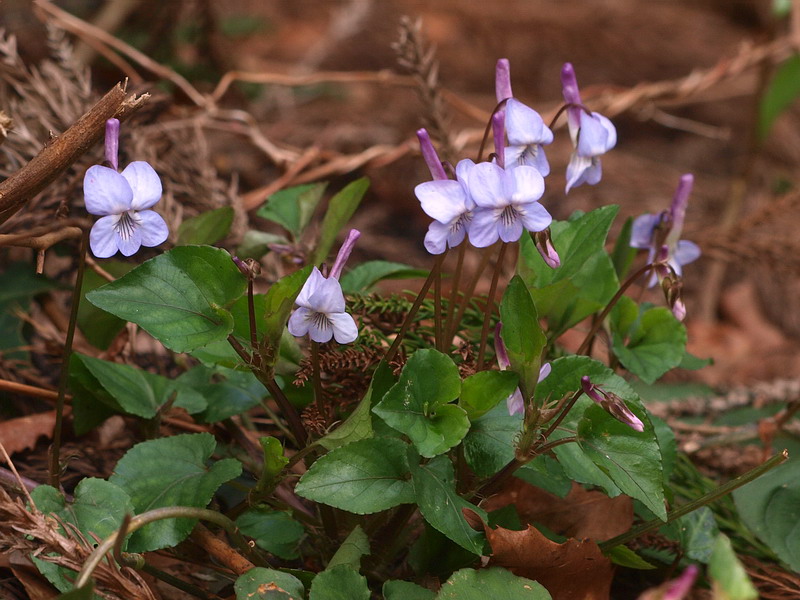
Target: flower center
127,224
462,222
509,215
321,320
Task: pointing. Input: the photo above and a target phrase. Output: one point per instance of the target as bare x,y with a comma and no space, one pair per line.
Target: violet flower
524,127
447,201
123,201
507,202
612,403
592,134
515,402
321,313
652,231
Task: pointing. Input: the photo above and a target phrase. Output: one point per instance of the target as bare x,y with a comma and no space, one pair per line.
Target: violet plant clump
123,201
383,447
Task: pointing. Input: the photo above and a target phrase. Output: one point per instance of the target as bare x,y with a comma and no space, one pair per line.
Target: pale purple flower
612,403
515,402
449,203
652,231
677,589
321,313
544,244
122,200
507,202
592,134
526,133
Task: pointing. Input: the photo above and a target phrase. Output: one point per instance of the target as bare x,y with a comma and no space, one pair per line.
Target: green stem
596,325
251,313
451,306
708,498
158,514
437,313
437,266
55,448
487,318
456,324
318,398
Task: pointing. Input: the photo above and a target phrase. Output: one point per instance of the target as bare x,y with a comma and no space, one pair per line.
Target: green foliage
18,285
363,477
730,580
770,507
170,471
339,583
293,207
469,584
441,506
278,305
586,280
228,392
180,297
206,228
405,590
489,445
99,327
647,341
274,531
783,90
340,209
522,334
268,584
484,390
352,549
419,404
362,278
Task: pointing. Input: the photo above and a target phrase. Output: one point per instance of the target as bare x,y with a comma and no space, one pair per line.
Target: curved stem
462,250
500,106
158,514
716,494
55,448
456,323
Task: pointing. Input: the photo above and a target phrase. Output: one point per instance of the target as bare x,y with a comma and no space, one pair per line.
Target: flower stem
251,313
602,316
487,318
456,323
318,398
451,305
437,266
55,448
437,313
708,498
158,514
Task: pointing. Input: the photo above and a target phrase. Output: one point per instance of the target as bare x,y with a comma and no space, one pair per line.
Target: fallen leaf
582,514
574,570
22,433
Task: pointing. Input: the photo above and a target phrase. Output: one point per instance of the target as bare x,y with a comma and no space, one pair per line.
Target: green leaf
625,557
729,578
484,390
227,391
469,584
256,244
278,305
651,345
83,593
274,531
97,509
268,584
206,228
783,90
442,507
352,549
99,327
418,404
770,507
585,281
364,276
274,460
138,392
339,583
170,471
340,209
293,207
18,285
178,297
364,477
631,459
358,426
694,363
622,256
522,334
394,589
489,445
544,472
696,533
603,455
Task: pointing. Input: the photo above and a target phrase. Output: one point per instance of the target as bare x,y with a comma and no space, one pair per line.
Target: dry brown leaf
22,433
582,514
574,570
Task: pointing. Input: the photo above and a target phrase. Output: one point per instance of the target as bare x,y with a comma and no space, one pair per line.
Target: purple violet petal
502,80
642,230
534,217
686,252
442,200
154,228
344,326
524,126
310,287
103,238
145,184
299,321
483,230
528,185
106,192
487,185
